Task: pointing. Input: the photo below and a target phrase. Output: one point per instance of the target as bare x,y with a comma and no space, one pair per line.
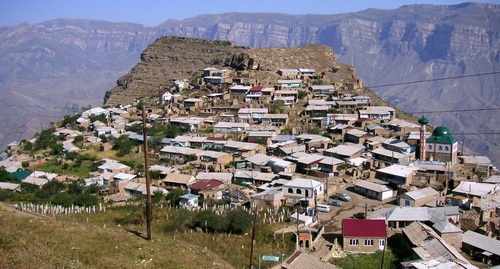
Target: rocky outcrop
169,58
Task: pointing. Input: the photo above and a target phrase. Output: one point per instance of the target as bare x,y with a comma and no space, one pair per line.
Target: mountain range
439,61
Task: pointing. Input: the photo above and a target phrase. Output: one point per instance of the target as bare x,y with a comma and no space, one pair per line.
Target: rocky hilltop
65,62
170,58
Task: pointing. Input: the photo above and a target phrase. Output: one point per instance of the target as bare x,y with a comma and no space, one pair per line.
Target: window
381,242
430,147
446,148
290,190
368,242
407,202
298,191
440,148
353,242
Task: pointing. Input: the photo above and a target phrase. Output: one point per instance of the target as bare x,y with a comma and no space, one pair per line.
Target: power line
455,110
434,79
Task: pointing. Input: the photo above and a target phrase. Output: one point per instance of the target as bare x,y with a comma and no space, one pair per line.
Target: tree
86,199
209,221
157,198
62,199
239,221
155,174
4,175
173,196
277,107
171,131
53,186
123,145
302,94
76,187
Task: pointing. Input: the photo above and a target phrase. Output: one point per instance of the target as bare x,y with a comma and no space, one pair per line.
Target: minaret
423,122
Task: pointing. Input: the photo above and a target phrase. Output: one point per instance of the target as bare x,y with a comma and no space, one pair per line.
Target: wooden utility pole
149,212
253,235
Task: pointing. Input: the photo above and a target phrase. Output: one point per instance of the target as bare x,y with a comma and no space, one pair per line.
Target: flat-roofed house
215,157
172,152
290,72
275,119
269,198
421,197
397,174
252,113
193,103
373,190
323,89
230,127
481,246
476,193
329,164
344,152
290,83
364,235
383,113
390,156
243,149
302,188
173,180
239,90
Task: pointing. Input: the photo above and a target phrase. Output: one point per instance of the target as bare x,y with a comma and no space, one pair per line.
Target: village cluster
303,145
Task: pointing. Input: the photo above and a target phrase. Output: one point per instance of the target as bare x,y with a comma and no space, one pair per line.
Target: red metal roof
256,89
374,228
200,185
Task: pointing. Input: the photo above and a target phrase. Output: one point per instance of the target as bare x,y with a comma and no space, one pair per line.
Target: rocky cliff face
412,43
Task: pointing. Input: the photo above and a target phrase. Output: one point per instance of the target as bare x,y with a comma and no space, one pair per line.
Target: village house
191,124
193,104
319,90
172,152
189,200
260,137
289,83
397,174
279,120
133,189
383,113
389,156
329,164
239,90
253,178
10,186
373,190
215,157
289,73
426,244
302,188
345,152
207,189
355,136
289,96
230,127
224,177
253,114
254,94
364,235
269,198
476,194
426,196
243,149
113,166
481,246
172,181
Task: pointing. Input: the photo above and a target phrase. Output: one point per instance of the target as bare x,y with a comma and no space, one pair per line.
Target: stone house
364,235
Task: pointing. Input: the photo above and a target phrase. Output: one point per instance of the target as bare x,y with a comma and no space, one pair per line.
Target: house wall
362,247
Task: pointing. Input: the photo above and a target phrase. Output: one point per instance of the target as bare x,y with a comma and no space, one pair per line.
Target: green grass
44,242
104,240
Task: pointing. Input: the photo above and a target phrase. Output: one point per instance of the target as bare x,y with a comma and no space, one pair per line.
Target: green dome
423,121
441,135
441,131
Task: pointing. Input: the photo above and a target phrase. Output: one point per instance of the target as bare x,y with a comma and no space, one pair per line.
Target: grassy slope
30,241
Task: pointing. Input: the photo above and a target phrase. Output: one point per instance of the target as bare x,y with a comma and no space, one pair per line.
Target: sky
154,12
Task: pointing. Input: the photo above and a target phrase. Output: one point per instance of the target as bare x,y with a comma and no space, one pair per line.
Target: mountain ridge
412,43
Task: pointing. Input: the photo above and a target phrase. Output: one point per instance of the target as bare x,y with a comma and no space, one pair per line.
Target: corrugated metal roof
481,241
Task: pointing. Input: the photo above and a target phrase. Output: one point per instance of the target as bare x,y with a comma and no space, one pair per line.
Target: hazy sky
154,12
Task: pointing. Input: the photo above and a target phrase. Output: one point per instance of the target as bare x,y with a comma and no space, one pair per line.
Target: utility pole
253,236
149,212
